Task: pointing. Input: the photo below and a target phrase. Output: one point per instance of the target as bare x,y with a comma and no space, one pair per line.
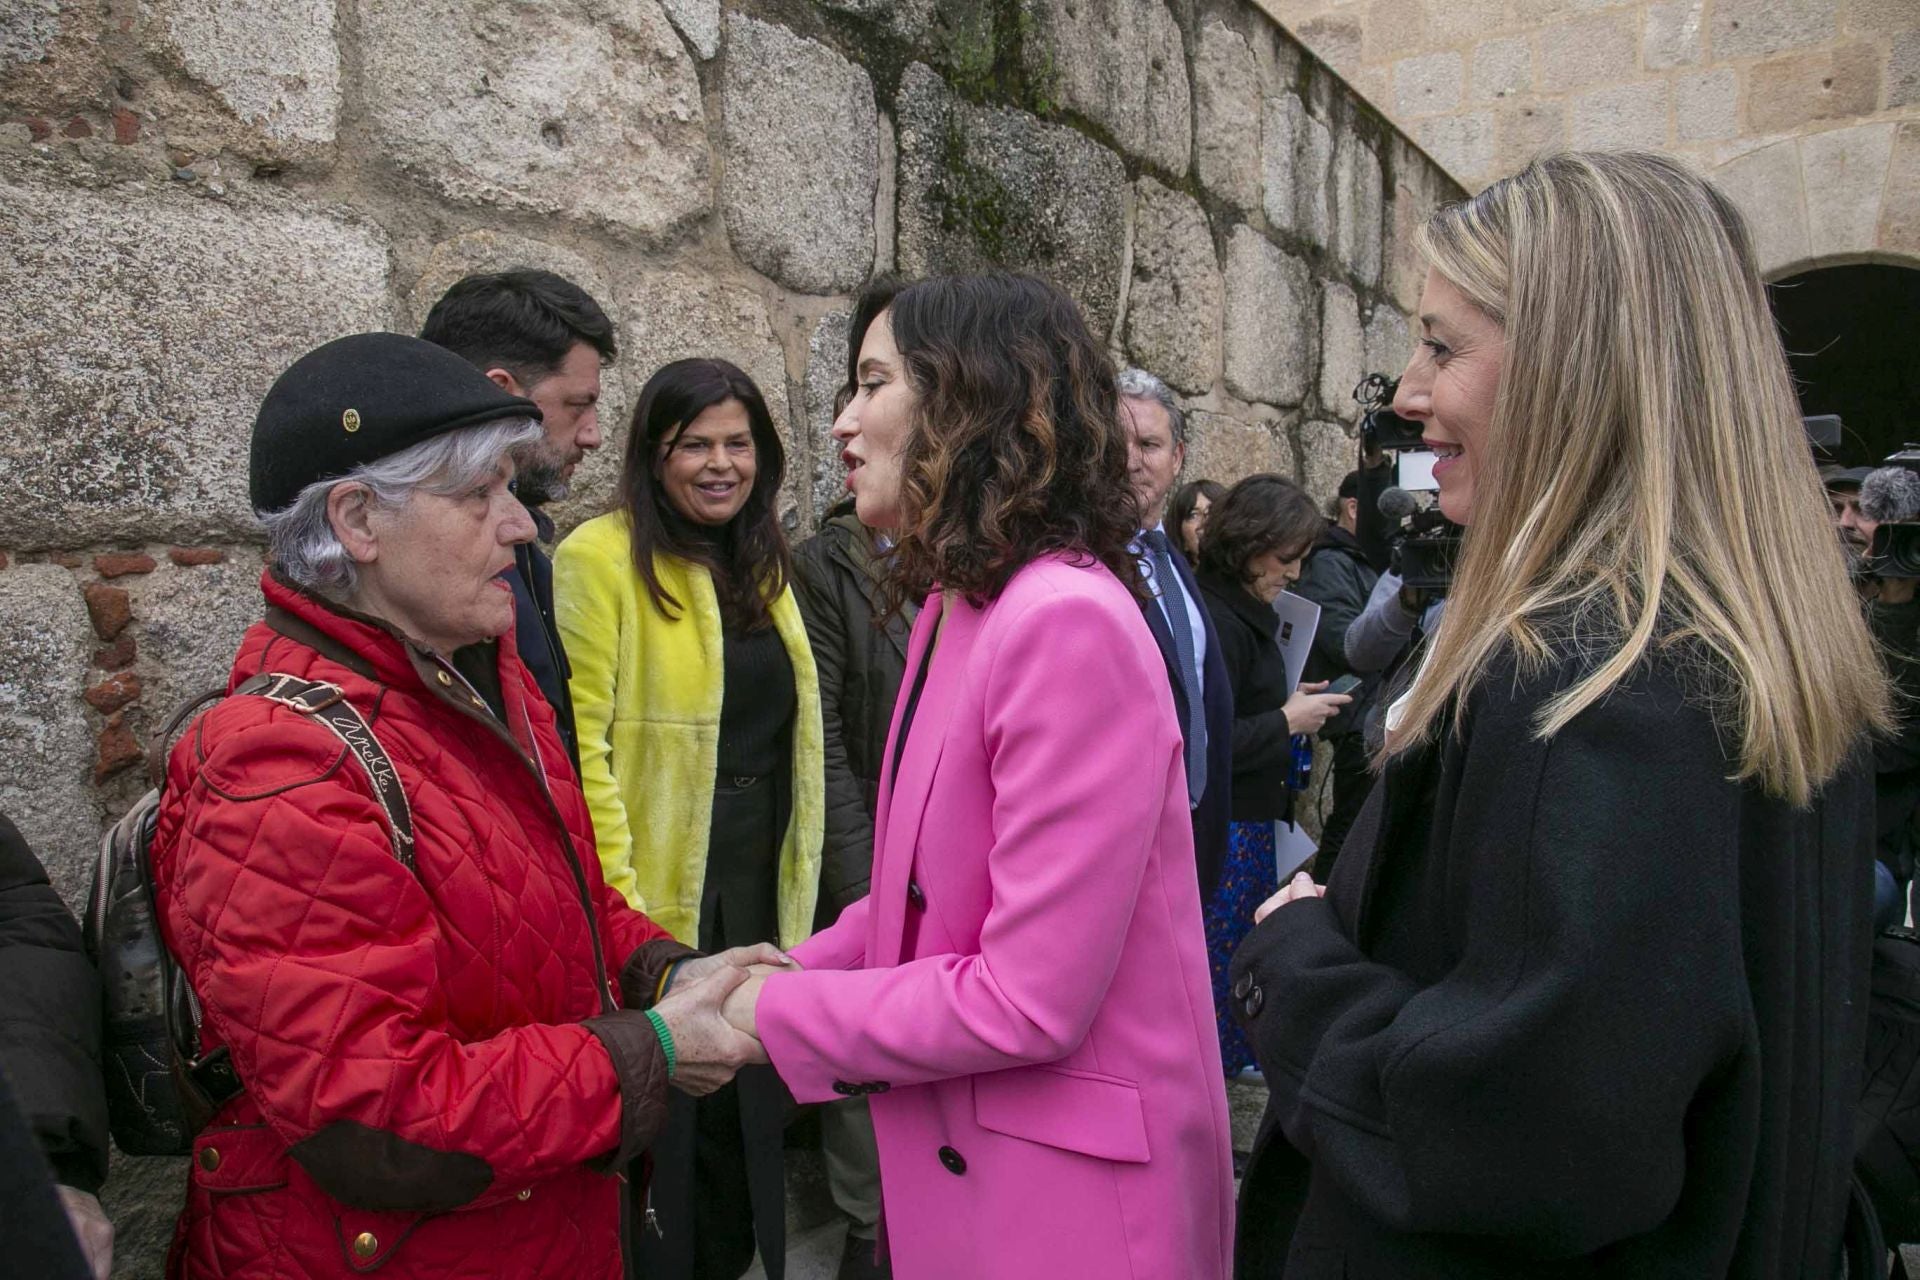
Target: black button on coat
1583,1007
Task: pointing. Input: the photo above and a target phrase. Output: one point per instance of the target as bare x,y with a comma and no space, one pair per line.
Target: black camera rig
1423,544
1894,500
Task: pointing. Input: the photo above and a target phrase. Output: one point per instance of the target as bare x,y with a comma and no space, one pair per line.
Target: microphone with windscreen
1396,504
1889,495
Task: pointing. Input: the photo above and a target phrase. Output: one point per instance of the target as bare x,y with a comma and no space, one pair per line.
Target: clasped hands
709,1012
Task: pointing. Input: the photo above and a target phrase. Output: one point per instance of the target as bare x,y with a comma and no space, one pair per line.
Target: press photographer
1877,513
1418,548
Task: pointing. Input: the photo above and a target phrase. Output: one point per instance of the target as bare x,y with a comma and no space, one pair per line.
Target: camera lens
1902,556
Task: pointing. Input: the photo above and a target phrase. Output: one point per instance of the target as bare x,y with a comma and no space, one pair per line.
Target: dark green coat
838,584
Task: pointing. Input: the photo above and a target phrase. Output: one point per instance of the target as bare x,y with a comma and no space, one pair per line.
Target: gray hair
1138,384
301,542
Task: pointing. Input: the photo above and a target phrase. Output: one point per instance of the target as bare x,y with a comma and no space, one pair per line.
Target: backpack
161,1089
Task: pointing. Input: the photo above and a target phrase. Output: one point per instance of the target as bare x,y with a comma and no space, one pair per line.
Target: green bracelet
666,1040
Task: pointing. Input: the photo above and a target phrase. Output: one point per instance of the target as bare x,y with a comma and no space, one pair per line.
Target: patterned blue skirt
1248,880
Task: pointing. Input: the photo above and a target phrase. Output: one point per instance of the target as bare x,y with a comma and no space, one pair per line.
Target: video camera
1424,543
1382,429
1890,495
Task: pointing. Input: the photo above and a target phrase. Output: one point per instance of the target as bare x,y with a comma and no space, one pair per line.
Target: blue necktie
1174,598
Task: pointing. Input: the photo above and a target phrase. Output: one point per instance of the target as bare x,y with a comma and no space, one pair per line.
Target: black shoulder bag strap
327,704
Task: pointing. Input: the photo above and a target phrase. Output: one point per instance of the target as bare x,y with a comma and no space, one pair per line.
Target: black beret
360,399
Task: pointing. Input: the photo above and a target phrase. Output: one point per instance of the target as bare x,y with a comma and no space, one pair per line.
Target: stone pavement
813,1255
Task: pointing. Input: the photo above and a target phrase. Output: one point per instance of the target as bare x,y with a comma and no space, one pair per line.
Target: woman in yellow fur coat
700,750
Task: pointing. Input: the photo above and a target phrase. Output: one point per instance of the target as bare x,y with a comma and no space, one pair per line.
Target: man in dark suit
1202,697
541,336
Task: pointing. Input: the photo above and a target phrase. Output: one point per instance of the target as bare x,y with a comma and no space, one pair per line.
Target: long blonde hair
1646,468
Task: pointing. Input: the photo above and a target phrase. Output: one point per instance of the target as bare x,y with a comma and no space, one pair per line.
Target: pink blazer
1024,994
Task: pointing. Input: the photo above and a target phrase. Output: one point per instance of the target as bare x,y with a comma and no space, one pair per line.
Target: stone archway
1846,195
1848,331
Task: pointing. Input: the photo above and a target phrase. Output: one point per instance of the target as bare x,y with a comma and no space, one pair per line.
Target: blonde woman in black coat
1585,996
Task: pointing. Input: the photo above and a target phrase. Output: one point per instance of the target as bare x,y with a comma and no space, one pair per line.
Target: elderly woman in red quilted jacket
448,1045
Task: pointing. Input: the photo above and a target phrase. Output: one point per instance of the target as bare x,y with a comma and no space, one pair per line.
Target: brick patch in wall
116,656
187,557
118,748
113,693
109,608
117,564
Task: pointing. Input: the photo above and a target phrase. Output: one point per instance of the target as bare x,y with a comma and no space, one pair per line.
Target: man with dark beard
541,336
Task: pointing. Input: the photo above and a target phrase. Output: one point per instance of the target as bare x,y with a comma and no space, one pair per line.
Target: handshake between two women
708,1009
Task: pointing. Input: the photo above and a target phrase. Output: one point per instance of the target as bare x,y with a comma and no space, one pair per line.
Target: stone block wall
195,192
1807,111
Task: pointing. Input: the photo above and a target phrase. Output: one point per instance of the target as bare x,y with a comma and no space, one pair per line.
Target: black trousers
719,1184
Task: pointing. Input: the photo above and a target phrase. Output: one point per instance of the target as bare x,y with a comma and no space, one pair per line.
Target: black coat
1578,1008
35,1237
1897,757
1247,630
536,634
1338,578
837,584
50,1019
1210,816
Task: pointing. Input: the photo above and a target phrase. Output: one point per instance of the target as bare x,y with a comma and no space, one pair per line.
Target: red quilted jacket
437,1081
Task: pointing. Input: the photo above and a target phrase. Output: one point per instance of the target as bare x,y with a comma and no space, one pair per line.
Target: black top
912,708
480,664
756,704
1247,630
1576,1008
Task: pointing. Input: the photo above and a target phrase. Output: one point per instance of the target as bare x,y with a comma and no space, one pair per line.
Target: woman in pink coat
1023,995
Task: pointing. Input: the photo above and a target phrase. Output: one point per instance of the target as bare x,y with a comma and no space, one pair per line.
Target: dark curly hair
748,556
1016,449
1260,514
